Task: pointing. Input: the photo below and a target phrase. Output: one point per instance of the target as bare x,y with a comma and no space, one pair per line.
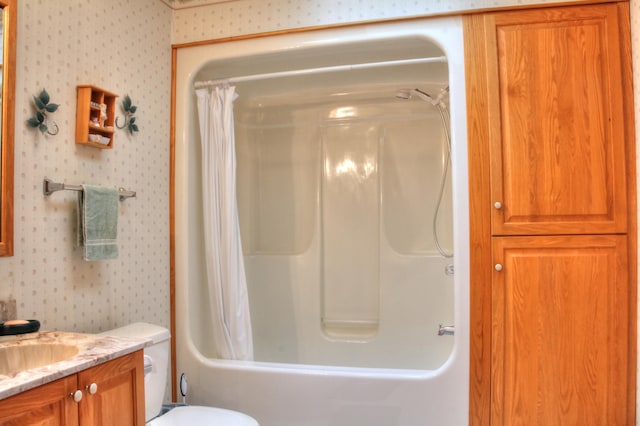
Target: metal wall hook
129,120
43,107
48,126
126,122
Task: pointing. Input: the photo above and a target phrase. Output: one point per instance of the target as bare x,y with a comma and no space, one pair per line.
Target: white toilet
156,361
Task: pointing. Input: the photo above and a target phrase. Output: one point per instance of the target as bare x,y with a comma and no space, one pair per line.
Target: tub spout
446,330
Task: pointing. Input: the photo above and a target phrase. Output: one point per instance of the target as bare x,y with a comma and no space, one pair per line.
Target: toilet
156,362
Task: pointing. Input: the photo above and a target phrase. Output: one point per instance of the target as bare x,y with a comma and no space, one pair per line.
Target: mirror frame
9,22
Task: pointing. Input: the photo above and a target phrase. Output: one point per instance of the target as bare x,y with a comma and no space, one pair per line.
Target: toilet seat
196,415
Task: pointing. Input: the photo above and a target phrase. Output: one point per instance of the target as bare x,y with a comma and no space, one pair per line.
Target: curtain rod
200,84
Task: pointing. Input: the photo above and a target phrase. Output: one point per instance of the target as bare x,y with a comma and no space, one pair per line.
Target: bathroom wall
125,47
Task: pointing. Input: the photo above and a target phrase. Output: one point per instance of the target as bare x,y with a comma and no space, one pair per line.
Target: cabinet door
555,108
560,333
49,405
119,397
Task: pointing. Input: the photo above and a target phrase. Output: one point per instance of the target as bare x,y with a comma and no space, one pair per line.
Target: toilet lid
195,415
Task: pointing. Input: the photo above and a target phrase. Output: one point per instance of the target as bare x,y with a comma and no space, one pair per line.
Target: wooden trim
479,220
172,224
632,231
10,11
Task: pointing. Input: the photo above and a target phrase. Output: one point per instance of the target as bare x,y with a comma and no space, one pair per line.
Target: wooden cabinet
116,399
556,138
552,226
95,117
119,396
49,405
559,341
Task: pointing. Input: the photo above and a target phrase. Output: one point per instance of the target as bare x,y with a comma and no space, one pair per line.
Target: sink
17,358
33,359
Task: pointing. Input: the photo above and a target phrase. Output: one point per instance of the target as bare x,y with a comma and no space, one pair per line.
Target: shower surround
337,181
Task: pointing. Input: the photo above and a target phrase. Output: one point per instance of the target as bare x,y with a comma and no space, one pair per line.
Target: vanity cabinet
119,392
49,405
95,117
116,399
552,227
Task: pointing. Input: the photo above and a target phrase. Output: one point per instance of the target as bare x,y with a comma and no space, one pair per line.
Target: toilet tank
156,361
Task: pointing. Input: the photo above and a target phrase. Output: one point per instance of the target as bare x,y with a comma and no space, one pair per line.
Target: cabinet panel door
557,136
119,399
560,333
49,405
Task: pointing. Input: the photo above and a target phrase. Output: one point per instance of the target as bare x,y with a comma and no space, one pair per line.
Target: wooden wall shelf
93,127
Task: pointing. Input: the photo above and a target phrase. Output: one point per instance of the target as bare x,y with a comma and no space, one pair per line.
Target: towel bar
49,187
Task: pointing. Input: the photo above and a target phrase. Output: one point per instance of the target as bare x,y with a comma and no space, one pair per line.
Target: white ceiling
183,4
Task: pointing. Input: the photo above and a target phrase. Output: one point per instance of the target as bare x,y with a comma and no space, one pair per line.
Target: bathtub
317,385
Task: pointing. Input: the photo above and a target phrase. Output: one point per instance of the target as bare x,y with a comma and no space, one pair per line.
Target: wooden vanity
102,385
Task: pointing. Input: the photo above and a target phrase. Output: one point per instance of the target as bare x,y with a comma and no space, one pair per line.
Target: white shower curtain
223,249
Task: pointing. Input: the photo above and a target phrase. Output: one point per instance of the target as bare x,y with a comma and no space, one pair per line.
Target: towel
98,222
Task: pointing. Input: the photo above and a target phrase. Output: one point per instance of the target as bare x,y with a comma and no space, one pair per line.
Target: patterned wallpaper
125,47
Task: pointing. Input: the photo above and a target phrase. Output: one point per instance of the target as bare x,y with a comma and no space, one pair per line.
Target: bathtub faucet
446,330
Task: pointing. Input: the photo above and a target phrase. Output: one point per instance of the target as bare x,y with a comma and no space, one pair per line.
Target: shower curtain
226,278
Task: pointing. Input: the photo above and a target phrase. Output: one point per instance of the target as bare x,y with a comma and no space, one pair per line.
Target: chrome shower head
403,94
438,101
409,93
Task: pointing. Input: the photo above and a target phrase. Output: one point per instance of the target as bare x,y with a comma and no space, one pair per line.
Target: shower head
409,93
403,94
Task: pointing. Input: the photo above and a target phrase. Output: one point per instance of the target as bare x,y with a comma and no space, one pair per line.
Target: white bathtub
319,389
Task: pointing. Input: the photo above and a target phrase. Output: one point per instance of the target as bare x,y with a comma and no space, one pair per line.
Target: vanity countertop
93,349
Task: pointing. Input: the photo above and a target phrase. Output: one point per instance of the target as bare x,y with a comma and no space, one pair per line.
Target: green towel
98,222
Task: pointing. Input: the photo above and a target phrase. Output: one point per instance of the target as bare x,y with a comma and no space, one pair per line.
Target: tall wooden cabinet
553,233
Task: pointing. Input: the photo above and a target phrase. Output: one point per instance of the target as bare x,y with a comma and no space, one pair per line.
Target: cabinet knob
76,396
497,205
92,388
498,267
